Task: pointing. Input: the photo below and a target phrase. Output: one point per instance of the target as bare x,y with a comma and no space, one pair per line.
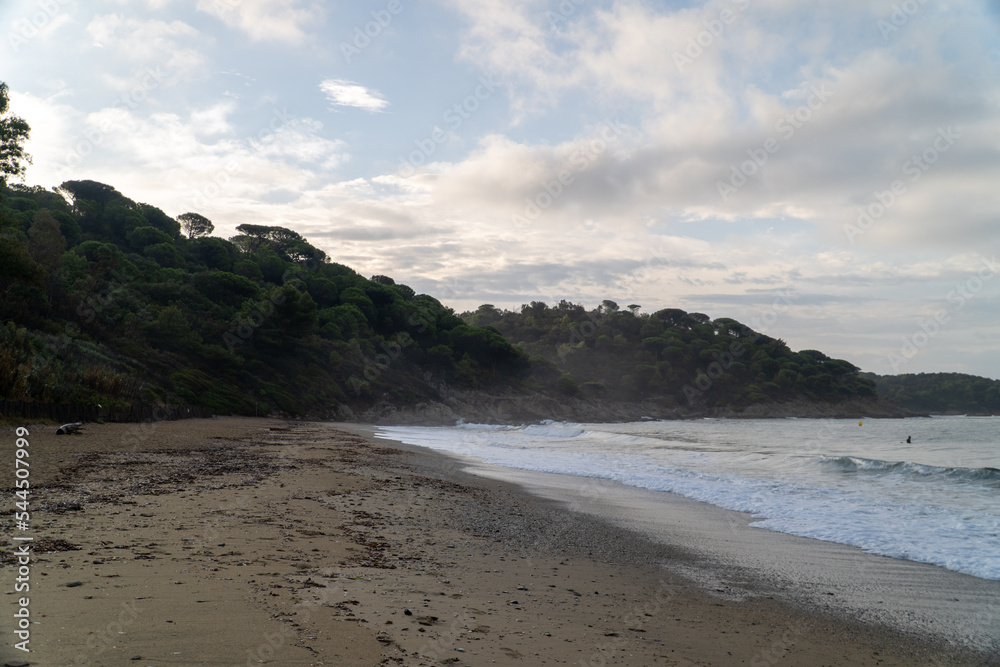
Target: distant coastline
512,408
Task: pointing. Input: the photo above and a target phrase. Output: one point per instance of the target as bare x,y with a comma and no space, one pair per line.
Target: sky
825,172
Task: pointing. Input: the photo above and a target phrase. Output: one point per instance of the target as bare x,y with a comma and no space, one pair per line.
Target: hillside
112,302
683,359
104,300
941,393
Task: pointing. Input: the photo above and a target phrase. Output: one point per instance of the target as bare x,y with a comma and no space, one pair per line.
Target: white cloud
344,93
149,42
151,4
266,20
639,217
200,161
212,120
52,133
511,39
886,103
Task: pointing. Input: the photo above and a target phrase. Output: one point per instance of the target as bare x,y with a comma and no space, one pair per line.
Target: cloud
513,40
151,4
201,159
344,93
837,140
40,24
151,41
266,20
540,201
52,131
212,120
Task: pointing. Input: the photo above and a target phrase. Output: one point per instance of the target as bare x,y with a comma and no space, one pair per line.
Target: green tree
214,252
165,254
656,345
195,225
486,314
215,322
45,240
671,317
16,263
287,243
567,385
226,288
157,218
141,237
69,228
171,329
100,193
14,131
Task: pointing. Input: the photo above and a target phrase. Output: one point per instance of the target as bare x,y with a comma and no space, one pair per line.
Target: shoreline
721,551
252,541
513,409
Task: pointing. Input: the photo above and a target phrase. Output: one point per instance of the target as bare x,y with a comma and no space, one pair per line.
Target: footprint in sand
511,653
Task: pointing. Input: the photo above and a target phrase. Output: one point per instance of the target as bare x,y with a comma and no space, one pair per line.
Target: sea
933,500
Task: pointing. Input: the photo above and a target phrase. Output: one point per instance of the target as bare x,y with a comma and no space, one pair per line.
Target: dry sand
248,542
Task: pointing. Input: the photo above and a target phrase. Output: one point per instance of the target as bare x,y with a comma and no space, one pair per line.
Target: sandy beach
249,541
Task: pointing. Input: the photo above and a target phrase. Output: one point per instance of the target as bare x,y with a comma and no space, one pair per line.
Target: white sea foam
934,501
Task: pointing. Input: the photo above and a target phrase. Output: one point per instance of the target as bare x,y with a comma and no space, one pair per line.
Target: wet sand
248,542
721,550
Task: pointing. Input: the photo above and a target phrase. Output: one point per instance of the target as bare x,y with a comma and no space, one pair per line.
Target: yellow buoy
859,423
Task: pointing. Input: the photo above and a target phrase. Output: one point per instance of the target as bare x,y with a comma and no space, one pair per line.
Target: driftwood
66,429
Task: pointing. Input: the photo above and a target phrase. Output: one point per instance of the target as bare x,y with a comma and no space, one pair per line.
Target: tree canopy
687,359
14,131
941,393
104,300
194,225
284,242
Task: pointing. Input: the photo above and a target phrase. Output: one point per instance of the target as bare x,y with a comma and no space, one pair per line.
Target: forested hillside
941,393
685,358
105,300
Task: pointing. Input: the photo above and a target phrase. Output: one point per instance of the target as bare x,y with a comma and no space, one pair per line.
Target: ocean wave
903,509
546,429
864,465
